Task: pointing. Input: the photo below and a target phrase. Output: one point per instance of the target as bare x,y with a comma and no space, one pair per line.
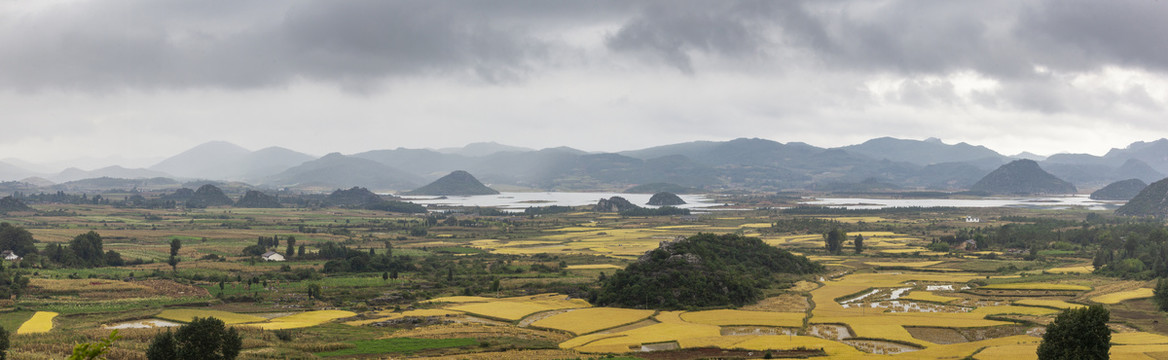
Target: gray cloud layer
247,44
570,72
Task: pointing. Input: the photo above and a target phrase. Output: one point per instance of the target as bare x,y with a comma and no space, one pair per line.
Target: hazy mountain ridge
744,163
226,161
334,171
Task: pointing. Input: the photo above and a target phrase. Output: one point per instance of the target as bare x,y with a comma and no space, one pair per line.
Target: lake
516,201
522,200
1044,202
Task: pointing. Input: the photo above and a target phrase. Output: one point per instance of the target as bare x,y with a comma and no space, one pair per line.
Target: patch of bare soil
527,321
936,335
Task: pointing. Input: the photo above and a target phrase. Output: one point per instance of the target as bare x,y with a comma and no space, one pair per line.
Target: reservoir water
516,201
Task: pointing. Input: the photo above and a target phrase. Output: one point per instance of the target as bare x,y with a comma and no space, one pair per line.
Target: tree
162,347
835,240
314,291
175,245
291,250
1161,294
17,239
859,241
1077,334
3,343
203,338
87,247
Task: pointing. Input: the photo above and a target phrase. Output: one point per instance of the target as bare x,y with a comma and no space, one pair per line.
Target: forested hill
704,270
457,183
1120,190
1022,177
1152,201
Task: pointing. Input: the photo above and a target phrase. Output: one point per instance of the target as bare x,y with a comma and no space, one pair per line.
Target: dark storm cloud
249,44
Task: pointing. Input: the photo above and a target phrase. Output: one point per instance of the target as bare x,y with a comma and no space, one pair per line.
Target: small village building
8,255
272,256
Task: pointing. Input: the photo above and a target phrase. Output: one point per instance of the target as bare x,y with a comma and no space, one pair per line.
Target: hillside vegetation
1151,201
1022,177
1120,190
704,270
457,183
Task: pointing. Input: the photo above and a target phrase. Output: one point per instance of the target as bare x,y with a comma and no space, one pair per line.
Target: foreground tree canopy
705,270
1077,334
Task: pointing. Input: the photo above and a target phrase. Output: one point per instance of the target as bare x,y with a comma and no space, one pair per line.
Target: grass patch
12,320
399,346
458,250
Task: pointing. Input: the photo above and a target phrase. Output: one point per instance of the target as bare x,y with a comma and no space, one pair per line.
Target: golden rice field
1138,338
188,315
1036,286
303,320
1056,304
1118,297
389,315
756,225
740,317
908,264
1083,269
513,308
40,322
588,320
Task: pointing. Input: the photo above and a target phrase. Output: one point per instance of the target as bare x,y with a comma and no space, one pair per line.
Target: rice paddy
1054,304
1036,286
740,317
188,315
302,320
513,308
40,322
1118,297
589,320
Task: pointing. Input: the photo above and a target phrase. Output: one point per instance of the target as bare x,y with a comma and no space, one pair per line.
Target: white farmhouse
272,256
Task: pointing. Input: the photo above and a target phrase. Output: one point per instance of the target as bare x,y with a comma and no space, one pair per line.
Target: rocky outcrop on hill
614,204
256,199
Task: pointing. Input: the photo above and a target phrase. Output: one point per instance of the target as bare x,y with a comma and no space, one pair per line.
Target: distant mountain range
884,164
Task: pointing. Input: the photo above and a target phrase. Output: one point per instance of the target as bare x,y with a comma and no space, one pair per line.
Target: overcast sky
148,78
